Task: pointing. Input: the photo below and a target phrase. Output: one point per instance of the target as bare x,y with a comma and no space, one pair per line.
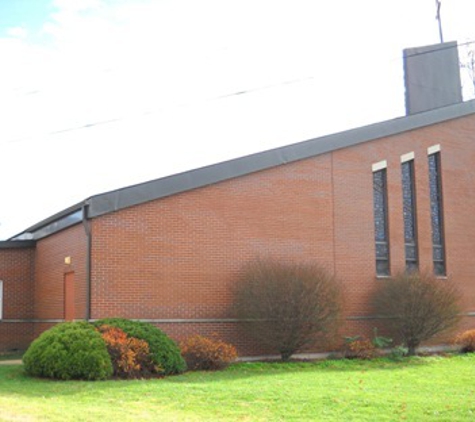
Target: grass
416,389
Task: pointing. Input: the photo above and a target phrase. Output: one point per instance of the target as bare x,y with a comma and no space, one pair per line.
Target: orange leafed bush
130,356
361,348
201,353
466,341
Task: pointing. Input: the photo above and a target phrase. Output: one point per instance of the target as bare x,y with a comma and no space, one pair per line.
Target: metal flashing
49,227
137,194
49,220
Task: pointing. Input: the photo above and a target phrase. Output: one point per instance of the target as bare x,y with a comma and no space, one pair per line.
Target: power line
148,112
216,98
438,48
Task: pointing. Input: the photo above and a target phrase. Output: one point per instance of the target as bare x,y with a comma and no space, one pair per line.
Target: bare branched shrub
287,305
417,307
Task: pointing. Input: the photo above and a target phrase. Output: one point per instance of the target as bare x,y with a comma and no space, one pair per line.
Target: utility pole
437,5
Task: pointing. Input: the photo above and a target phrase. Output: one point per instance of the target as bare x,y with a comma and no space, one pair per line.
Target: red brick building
364,203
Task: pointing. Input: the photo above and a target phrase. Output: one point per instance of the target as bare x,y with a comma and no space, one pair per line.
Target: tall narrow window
409,214
381,222
435,186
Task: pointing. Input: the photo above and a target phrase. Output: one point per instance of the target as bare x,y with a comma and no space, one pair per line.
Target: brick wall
176,261
179,257
354,242
16,272
50,268
16,335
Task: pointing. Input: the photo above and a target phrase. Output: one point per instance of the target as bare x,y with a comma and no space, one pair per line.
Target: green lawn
417,389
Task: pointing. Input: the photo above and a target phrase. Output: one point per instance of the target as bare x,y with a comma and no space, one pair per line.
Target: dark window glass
435,187
409,213
381,222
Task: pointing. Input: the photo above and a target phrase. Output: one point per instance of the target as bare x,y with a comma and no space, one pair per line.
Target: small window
436,213
381,222
409,215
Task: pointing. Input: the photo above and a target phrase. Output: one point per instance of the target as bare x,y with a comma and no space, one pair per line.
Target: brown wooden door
69,296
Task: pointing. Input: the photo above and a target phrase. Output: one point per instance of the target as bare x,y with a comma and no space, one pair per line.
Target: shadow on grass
14,381
245,370
263,369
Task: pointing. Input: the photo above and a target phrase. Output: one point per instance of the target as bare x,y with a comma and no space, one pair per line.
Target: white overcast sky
100,94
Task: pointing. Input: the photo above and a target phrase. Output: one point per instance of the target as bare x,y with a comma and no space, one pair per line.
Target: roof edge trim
17,244
115,200
193,179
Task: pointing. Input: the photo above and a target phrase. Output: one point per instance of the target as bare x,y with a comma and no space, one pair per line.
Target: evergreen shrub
71,350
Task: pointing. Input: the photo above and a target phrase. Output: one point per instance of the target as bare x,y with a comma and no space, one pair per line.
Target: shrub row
288,306
164,351
285,306
359,347
119,347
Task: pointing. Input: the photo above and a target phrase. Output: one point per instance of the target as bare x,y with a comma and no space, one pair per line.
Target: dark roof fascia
70,210
17,244
166,186
51,221
148,191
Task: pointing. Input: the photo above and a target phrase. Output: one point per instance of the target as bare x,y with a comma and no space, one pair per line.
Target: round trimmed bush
71,350
165,352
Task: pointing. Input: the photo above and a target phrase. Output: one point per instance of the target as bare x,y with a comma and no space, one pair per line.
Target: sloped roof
115,200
